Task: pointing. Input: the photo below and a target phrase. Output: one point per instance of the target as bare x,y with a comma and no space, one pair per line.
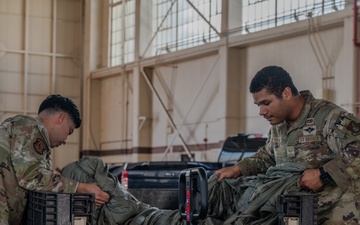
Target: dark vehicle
156,183
240,146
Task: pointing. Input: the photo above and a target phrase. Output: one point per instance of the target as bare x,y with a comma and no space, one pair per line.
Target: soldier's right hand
101,197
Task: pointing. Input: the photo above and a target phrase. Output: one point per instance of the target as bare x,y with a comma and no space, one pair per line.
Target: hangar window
173,25
264,14
183,24
122,31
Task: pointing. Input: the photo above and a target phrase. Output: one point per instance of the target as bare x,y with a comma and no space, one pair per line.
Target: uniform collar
43,130
301,120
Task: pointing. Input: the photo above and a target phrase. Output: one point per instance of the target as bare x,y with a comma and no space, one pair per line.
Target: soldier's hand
228,172
310,180
101,197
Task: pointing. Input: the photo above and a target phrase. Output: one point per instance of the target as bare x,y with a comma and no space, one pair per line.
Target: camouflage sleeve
342,131
259,162
30,156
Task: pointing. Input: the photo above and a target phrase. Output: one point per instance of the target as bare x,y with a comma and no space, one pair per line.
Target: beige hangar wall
40,54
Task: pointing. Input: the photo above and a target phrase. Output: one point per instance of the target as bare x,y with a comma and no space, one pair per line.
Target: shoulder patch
348,124
40,146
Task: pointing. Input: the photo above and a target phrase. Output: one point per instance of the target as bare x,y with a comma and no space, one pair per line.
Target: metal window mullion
137,30
210,4
177,26
110,53
276,12
26,56
53,72
122,50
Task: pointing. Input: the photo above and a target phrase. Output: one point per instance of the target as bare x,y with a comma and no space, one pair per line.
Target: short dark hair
57,102
274,79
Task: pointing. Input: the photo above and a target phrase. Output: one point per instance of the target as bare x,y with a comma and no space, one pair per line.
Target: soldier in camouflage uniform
25,144
316,133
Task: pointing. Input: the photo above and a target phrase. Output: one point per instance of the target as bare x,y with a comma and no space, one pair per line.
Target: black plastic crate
82,208
49,208
297,209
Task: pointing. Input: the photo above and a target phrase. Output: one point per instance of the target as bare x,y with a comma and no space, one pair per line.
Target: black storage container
297,209
50,208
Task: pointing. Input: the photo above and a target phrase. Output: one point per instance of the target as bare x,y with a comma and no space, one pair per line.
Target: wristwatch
324,176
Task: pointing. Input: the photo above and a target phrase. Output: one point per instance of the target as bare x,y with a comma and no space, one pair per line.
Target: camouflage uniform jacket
323,135
25,165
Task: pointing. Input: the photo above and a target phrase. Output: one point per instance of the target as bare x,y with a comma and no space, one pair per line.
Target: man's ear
62,117
287,93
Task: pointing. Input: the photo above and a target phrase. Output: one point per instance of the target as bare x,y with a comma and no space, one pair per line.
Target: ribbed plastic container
297,209
49,208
